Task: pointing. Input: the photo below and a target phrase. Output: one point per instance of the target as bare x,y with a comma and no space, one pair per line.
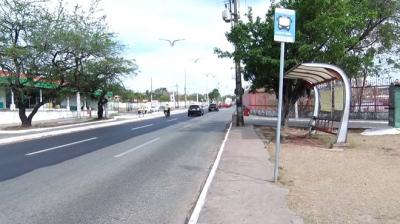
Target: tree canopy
214,95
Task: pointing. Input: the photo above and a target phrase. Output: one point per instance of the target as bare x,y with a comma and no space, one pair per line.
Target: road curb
75,129
202,198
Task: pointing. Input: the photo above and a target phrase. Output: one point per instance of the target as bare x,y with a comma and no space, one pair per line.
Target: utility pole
238,90
177,97
151,91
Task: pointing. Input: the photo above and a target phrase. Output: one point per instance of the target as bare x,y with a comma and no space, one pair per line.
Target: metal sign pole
278,125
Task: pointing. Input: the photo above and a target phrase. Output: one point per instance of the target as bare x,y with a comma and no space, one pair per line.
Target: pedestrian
140,110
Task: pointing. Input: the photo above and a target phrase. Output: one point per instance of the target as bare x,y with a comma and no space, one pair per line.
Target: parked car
213,107
154,108
195,110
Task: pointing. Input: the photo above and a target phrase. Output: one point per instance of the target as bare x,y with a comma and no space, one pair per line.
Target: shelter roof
312,73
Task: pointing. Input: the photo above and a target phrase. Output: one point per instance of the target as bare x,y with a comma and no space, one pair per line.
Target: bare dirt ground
358,185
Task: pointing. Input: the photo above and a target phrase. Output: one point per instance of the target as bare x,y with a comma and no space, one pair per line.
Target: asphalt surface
148,171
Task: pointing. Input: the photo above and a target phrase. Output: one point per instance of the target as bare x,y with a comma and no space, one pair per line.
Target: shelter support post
343,127
317,102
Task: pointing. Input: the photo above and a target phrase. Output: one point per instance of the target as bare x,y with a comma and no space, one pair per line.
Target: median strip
61,146
137,147
145,126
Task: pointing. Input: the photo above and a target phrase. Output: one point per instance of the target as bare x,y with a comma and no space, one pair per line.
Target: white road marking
137,147
61,146
202,198
145,126
173,119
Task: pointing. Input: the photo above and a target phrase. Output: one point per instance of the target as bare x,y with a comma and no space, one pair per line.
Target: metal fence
369,100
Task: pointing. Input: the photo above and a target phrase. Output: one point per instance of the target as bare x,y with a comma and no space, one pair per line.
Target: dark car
195,110
213,107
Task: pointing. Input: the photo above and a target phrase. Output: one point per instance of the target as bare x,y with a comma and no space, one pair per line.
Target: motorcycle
167,113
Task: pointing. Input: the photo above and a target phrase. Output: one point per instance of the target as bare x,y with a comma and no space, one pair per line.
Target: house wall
72,103
12,117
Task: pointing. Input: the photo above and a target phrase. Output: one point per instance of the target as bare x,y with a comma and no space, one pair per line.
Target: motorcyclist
167,110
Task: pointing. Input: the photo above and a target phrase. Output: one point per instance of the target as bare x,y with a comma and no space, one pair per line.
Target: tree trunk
100,111
362,90
100,107
285,115
287,104
26,121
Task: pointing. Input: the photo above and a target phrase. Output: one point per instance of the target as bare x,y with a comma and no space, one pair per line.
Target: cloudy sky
140,24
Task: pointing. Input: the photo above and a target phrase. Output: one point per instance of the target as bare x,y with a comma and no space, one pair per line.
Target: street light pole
185,90
151,91
206,96
177,96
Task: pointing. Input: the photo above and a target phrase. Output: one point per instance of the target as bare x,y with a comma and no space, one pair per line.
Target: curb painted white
76,129
63,126
202,198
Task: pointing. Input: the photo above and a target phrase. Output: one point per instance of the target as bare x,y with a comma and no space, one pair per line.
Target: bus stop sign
284,25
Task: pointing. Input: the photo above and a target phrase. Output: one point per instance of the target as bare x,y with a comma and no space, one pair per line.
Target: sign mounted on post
284,25
284,31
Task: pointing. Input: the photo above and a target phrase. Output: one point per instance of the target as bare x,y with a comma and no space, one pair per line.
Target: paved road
143,172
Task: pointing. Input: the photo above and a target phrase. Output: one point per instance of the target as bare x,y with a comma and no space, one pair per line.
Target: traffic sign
285,25
284,31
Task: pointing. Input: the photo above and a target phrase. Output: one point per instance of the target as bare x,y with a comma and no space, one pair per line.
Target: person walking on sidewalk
141,110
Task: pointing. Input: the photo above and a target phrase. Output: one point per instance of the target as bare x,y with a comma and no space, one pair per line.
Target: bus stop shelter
318,73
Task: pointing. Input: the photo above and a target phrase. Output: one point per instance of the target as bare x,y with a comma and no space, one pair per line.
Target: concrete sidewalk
242,190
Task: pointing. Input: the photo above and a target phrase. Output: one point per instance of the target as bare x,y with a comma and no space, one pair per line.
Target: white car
154,108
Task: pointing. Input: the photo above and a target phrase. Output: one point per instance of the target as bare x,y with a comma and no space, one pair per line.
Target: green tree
350,34
161,94
214,95
103,76
27,32
96,65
